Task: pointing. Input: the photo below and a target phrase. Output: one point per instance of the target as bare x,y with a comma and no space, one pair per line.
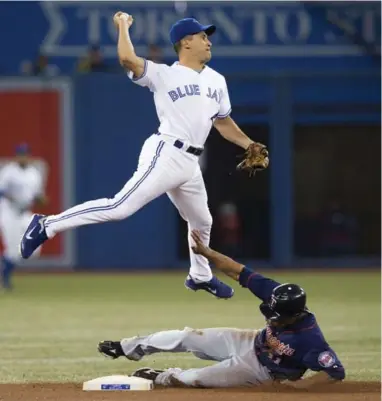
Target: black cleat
111,349
147,373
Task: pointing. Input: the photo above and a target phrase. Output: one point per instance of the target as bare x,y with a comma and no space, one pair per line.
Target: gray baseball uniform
233,349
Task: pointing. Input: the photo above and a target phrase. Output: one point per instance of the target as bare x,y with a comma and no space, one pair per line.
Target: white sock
197,281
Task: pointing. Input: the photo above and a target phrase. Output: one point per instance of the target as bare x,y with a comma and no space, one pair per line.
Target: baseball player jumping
189,98
289,345
21,187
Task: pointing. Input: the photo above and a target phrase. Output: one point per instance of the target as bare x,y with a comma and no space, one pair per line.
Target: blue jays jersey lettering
194,90
288,352
187,90
187,101
215,94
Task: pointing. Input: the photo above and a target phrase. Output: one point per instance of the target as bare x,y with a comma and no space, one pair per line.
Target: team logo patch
326,359
272,302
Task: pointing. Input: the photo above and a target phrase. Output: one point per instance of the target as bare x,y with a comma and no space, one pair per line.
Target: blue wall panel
339,88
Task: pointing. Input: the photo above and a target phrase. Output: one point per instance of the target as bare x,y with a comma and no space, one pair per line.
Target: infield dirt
352,391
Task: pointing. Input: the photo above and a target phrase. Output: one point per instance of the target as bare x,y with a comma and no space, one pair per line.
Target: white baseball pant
233,349
162,168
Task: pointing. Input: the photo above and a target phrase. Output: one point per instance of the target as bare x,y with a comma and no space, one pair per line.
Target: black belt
191,149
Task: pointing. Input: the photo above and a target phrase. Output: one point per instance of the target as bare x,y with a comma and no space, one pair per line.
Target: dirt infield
353,391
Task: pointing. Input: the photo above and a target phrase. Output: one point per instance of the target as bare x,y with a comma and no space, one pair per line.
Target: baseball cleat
34,236
214,287
147,373
111,349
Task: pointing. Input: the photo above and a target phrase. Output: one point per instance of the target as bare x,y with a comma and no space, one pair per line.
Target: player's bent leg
192,203
216,344
146,184
234,372
158,171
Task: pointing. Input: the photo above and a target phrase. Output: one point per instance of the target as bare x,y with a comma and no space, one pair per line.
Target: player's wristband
244,276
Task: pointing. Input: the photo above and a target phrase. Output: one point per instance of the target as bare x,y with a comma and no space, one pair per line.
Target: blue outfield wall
113,117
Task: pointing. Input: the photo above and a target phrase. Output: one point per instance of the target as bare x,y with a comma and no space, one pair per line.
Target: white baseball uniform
19,188
187,103
233,349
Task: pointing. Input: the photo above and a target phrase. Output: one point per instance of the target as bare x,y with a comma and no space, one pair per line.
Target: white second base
118,383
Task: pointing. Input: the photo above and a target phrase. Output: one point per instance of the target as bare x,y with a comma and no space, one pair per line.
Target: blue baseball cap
189,26
22,149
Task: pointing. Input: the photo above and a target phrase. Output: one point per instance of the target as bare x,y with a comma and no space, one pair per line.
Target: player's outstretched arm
256,155
223,263
126,54
229,130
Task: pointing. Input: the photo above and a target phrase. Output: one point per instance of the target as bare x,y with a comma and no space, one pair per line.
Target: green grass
51,324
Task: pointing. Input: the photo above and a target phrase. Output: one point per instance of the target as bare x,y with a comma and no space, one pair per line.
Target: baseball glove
255,159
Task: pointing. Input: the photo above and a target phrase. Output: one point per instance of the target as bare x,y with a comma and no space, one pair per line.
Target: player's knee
186,334
187,378
204,222
191,337
208,220
118,209
119,213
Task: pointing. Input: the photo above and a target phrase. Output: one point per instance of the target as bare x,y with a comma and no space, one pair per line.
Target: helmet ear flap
267,311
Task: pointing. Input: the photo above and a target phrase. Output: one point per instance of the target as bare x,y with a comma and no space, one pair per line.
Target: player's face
272,323
23,160
200,47
281,322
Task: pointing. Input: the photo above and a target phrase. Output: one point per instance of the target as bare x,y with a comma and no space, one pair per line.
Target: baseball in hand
121,16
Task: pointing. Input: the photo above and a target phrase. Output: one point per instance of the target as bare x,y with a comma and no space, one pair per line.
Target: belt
191,149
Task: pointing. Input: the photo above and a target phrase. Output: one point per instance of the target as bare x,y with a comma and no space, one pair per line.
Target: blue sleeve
324,360
259,285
